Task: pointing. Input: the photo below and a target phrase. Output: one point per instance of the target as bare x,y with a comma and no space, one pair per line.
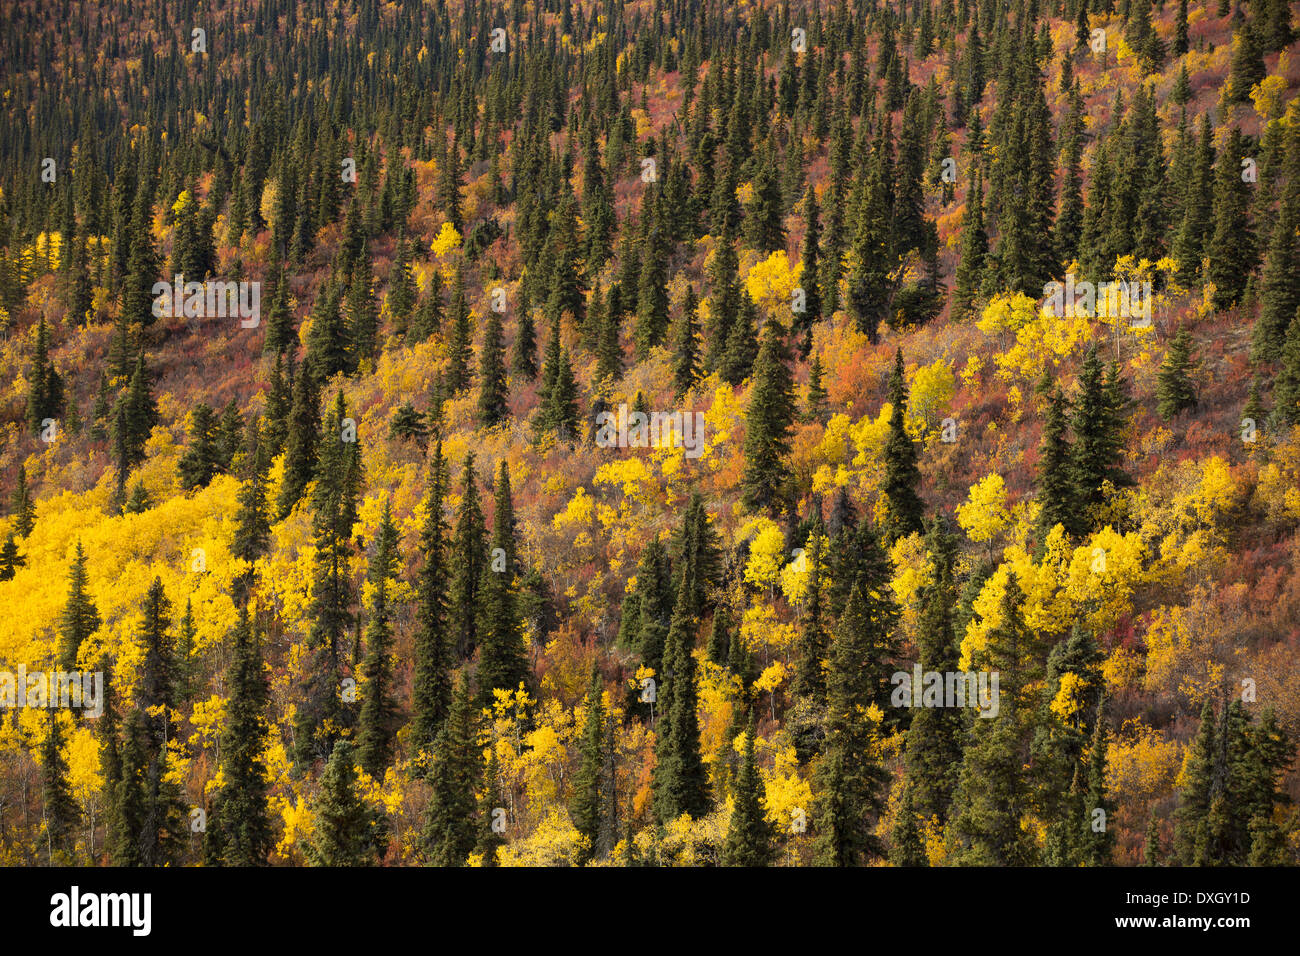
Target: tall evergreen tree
849,781
80,618
377,727
903,507
59,810
768,423
1175,391
680,780
749,835
449,832
346,831
245,825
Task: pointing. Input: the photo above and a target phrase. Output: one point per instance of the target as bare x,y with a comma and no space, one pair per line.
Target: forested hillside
676,433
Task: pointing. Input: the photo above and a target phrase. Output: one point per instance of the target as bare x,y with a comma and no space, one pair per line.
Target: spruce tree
742,346
1175,391
905,846
685,349
988,805
252,538
199,463
970,265
245,824
502,662
586,807
346,831
1286,387
609,352
80,618
303,438
493,407
449,833
750,836
810,279
45,386
1098,447
903,507
769,420
849,779
59,810
1231,246
431,685
680,779
934,739
377,724
459,341
469,556
22,505
1055,486
334,503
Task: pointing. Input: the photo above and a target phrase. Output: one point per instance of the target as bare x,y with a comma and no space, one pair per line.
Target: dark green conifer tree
1175,390
347,832
431,684
80,618
903,507
750,836
244,821
378,721
768,423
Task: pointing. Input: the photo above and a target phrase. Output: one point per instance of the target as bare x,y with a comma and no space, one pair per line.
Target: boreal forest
663,433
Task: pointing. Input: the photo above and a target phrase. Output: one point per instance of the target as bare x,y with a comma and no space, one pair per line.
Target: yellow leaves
771,282
1267,96
1277,491
579,512
1007,313
932,389
270,194
631,475
1041,339
182,203
208,718
835,444
984,516
912,568
766,552
1071,697
759,628
1123,669
1181,654
773,676
644,127
83,763
787,794
1217,492
447,241
554,842
1141,764
796,577
688,842
298,823
1103,575
988,615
